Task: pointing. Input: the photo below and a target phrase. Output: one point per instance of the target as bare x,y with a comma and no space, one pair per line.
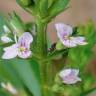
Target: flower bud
59,46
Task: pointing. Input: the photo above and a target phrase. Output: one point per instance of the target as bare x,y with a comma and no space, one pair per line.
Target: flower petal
71,80
24,54
69,43
63,30
65,72
80,40
10,52
6,39
26,38
75,72
70,76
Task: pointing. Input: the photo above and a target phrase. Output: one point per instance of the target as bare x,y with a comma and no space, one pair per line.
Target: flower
64,33
70,76
21,48
9,88
5,39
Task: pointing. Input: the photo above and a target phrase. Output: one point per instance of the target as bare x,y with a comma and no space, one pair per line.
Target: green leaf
31,27
88,92
50,2
57,7
25,3
57,53
27,75
79,56
17,24
43,8
8,74
28,5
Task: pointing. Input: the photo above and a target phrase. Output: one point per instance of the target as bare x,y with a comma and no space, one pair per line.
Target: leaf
27,75
43,8
88,92
8,74
25,3
17,24
28,5
57,53
79,56
50,2
57,7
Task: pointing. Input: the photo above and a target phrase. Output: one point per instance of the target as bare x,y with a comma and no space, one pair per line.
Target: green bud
17,24
25,3
55,88
71,91
59,46
58,80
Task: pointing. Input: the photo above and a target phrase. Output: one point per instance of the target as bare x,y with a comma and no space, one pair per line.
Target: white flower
64,33
21,48
5,39
70,76
9,88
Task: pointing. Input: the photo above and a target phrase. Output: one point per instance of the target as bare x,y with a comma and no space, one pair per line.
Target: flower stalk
41,42
41,51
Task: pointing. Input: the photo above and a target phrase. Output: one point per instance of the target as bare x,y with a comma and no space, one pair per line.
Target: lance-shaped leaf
57,7
27,75
50,2
43,8
25,3
16,24
79,56
29,5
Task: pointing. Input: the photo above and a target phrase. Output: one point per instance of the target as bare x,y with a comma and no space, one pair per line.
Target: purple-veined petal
10,52
71,80
6,39
75,72
80,40
63,30
65,72
26,38
69,76
24,54
70,42
14,46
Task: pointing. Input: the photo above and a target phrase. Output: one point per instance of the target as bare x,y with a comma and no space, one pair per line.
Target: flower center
21,49
66,37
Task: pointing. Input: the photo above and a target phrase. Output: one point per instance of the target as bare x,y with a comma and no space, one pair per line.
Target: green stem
46,78
43,79
41,51
41,48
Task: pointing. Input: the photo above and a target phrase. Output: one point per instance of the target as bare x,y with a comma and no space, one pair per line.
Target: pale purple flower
70,76
6,39
64,33
9,88
21,48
